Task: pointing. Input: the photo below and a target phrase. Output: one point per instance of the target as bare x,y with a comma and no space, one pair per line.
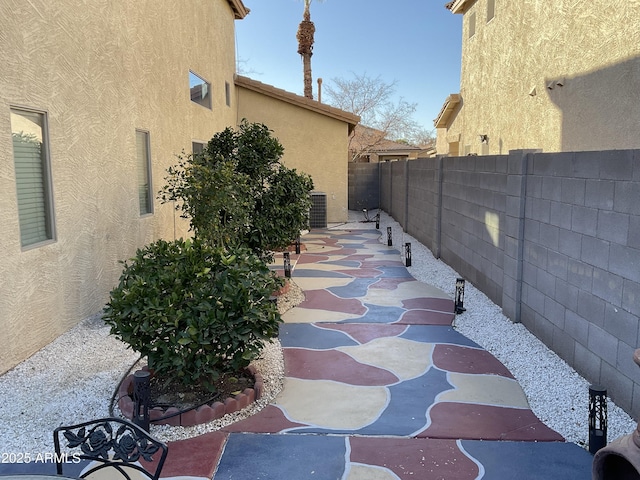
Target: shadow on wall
601,108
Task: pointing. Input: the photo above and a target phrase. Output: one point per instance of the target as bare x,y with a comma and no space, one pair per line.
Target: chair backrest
111,443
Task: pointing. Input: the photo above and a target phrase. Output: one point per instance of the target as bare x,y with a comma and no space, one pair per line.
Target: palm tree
306,29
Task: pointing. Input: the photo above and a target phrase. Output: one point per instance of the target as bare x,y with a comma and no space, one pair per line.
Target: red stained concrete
364,333
268,420
333,365
312,258
420,459
438,304
454,358
324,300
426,317
484,422
195,457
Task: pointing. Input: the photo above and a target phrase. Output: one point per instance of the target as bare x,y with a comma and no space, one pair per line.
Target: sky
416,43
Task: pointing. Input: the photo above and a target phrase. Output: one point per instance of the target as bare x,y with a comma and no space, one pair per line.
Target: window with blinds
145,194
33,176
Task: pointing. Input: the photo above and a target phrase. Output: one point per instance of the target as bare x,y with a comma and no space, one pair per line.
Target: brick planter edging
195,416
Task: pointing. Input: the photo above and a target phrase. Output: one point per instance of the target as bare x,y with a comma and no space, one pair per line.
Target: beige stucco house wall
315,137
564,77
99,72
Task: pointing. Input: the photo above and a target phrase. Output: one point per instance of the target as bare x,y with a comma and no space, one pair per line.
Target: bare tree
306,30
372,99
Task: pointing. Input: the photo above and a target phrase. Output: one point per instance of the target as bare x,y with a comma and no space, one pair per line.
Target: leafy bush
193,310
238,194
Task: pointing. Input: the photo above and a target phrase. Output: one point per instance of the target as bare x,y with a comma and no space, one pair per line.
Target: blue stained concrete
394,272
279,457
355,289
437,334
304,335
530,460
407,409
378,314
343,263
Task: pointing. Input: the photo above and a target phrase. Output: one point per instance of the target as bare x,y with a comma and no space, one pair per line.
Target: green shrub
196,312
236,193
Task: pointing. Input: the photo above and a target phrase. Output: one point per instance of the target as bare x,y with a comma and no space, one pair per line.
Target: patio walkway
379,386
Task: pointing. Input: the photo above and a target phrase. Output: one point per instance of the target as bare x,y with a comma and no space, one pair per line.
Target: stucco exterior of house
96,101
315,137
557,78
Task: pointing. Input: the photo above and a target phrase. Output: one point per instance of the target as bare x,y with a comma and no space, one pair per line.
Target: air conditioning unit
318,211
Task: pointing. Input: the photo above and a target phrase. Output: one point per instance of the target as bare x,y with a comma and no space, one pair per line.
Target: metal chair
111,443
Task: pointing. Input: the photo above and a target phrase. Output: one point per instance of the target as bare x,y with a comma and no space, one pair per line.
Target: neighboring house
315,137
561,78
368,145
95,103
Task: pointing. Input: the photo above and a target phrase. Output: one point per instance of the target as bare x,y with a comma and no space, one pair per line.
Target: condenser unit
318,211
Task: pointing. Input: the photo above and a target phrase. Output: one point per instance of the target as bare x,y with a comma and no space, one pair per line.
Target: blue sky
415,42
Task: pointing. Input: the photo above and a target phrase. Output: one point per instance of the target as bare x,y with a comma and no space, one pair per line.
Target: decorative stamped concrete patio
379,386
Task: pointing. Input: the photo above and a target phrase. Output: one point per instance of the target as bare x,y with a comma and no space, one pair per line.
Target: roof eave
349,118
459,6
239,10
444,118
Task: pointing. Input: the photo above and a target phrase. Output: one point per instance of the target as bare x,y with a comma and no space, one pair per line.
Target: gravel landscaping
73,379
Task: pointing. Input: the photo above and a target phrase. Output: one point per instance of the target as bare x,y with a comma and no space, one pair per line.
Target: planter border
196,415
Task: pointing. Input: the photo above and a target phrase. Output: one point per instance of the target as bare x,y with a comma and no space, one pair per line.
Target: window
33,176
472,24
143,158
227,93
200,90
197,147
491,9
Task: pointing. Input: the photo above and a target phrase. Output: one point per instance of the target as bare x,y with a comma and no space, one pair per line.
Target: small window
197,147
227,93
33,176
491,9
472,24
143,157
200,90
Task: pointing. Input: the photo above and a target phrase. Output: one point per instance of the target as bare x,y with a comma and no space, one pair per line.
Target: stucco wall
313,143
100,71
591,47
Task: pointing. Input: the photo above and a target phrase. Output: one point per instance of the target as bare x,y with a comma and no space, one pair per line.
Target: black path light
287,264
378,221
298,246
407,254
597,418
141,398
459,300
389,237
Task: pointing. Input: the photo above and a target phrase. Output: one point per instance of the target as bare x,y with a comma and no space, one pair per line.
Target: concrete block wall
364,183
423,209
581,264
553,238
399,192
473,218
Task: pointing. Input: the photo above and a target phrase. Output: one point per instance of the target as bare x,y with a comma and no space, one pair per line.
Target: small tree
381,116
237,193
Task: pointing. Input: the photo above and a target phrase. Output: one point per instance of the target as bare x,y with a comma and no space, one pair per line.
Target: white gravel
72,379
557,394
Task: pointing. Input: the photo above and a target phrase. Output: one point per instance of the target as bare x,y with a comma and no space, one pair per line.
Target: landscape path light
141,398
